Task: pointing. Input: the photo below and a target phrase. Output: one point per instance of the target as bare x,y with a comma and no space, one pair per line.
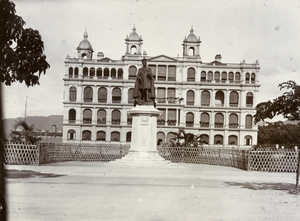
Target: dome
192,37
134,36
85,44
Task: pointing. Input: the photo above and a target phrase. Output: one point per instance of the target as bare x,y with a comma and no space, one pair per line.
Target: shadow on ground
17,174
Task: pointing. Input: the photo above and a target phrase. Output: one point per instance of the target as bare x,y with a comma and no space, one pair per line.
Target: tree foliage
22,132
183,139
287,105
21,57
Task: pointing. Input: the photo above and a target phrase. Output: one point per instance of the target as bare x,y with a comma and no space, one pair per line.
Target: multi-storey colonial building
213,99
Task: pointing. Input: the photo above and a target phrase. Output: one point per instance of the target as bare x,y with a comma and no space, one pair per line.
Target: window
85,72
234,99
116,117
86,135
247,79
248,140
130,96
233,121
106,73
72,93
87,116
92,72
132,72
205,98
172,117
70,72
161,95
99,73
252,78
76,73
231,77
161,73
191,75
218,139
88,94
190,97
204,120
115,136
171,95
203,76
217,76
133,49
160,138
219,99
129,119
72,116
249,99
191,51
120,73
161,119
237,77
116,95
204,139
232,140
248,121
101,116
113,73
219,120
71,135
172,73
189,119
101,135
128,136
102,95
224,77
210,76
153,68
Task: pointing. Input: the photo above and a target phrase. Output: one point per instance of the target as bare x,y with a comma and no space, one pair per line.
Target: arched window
92,72
99,73
234,99
106,73
70,72
248,140
204,120
247,78
101,135
233,121
162,73
71,135
116,95
161,119
191,51
85,72
113,73
116,117
217,76
249,121
224,77
203,76
115,136
190,97
120,73
189,119
231,77
72,93
252,78
160,138
72,116
232,140
219,120
219,99
218,139
249,99
128,136
88,94
205,98
132,72
87,116
171,117
172,73
133,49
130,96
129,119
86,135
210,76
102,95
237,77
204,139
76,73
191,75
101,116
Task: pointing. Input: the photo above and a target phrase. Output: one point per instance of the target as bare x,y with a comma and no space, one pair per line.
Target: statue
144,92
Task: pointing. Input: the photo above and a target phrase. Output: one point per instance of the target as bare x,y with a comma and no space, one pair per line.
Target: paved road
114,191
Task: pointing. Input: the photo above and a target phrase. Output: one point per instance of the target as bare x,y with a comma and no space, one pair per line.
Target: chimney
100,55
218,58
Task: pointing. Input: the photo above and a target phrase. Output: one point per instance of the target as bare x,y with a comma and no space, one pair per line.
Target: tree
22,132
287,105
21,57
183,139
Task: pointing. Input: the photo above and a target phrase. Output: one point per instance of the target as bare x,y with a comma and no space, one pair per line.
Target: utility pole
25,108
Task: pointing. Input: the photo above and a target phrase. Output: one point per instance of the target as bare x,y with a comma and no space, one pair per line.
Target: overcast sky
265,30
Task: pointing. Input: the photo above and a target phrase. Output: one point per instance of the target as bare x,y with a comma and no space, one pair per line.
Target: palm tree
183,139
22,132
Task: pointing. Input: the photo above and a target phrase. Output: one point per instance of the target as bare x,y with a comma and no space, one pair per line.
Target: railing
21,153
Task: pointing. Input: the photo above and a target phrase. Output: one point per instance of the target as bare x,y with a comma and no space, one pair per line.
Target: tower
85,49
191,45
133,44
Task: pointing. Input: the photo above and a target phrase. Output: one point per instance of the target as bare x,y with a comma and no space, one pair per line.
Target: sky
267,31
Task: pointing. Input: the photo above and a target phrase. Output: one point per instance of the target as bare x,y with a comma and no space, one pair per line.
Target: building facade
214,100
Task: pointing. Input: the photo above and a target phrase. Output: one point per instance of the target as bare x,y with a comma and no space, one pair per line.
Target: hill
41,123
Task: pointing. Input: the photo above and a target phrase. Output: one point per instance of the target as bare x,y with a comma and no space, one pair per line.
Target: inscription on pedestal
145,120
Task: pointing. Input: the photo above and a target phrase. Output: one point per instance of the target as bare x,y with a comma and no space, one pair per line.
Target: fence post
297,173
39,154
249,161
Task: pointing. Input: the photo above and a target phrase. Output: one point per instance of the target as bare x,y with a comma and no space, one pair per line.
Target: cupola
134,43
191,45
85,49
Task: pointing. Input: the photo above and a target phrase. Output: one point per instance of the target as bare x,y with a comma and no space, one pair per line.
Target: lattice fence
21,153
273,160
220,156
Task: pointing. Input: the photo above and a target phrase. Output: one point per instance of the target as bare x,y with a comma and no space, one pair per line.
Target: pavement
119,190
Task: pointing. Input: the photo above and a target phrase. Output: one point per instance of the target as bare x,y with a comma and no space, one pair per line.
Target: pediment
162,58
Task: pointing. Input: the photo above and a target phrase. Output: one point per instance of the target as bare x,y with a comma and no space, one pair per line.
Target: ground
114,191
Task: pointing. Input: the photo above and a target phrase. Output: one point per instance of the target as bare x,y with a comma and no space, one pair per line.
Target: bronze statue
144,92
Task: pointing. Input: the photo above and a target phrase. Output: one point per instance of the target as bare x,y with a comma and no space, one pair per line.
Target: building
214,100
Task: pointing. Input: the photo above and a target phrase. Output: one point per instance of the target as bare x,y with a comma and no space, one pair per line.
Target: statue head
144,62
